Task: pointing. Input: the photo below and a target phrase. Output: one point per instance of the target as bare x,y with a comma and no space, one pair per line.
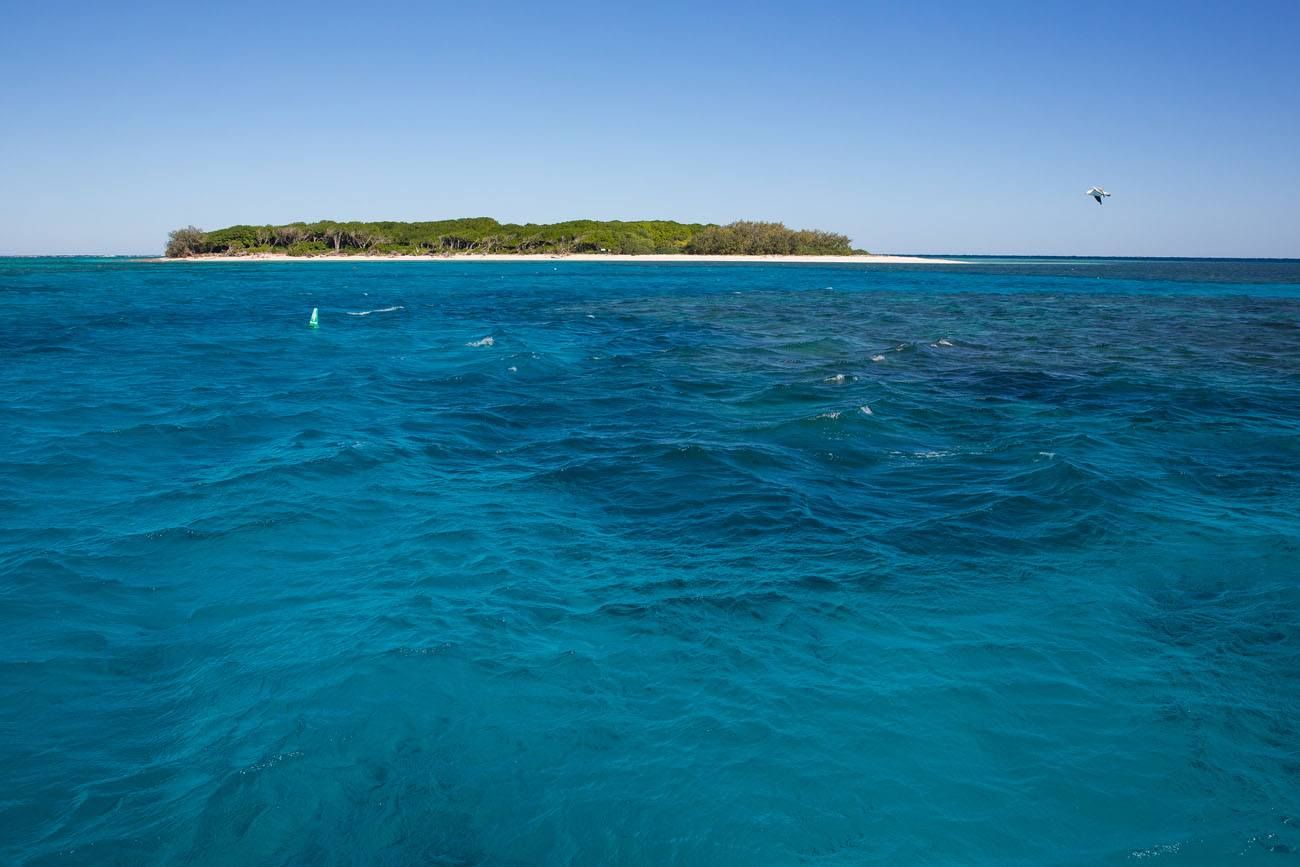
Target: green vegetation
485,235
745,238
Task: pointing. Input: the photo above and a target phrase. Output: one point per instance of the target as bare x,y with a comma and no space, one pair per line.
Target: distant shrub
308,248
635,245
398,249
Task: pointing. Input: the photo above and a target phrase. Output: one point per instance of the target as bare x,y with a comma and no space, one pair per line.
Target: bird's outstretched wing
1097,197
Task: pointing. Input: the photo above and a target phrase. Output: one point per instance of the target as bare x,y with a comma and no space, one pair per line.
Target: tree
455,243
335,233
361,237
287,236
186,242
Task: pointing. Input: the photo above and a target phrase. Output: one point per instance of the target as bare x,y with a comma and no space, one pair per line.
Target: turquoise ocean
551,563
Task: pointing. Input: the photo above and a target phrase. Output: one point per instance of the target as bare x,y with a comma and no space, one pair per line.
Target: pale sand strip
582,257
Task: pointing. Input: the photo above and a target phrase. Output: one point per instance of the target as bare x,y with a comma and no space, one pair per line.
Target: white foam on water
943,341
512,369
380,310
865,410
877,358
838,379
1163,849
271,762
831,415
486,341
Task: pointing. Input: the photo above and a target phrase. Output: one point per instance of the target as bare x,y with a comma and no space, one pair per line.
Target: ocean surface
610,564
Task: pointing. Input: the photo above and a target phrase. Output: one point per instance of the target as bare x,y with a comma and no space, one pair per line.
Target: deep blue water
641,581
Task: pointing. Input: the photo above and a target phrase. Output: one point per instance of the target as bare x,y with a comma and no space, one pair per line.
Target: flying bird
1097,193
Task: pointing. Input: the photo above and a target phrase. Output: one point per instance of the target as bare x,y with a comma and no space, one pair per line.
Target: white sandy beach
583,257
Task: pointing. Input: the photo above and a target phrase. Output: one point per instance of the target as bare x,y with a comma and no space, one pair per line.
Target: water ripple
647,564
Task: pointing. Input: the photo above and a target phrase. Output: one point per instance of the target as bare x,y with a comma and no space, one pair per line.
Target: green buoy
313,322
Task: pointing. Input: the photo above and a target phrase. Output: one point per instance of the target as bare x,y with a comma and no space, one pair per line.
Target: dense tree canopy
485,235
745,238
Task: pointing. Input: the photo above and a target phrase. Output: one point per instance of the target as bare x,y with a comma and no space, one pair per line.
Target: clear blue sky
941,127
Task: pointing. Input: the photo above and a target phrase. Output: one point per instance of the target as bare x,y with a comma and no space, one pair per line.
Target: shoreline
580,257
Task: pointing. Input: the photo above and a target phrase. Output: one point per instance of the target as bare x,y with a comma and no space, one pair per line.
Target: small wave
833,414
942,341
271,762
1153,851
486,341
380,310
435,650
865,410
840,378
877,358
925,454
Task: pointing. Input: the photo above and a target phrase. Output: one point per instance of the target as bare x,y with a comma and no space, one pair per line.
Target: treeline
745,238
485,235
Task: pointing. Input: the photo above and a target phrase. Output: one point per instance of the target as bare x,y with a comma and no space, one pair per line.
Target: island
484,238
484,235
